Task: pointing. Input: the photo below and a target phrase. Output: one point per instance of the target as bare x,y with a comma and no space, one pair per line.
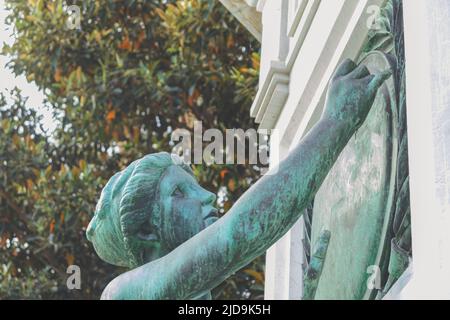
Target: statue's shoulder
131,284
112,291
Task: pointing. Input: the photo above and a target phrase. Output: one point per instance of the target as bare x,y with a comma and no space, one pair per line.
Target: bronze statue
155,218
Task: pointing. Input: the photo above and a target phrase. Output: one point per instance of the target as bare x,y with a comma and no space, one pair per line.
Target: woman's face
186,208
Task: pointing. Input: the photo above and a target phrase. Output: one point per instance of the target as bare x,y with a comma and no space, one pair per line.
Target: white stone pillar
427,44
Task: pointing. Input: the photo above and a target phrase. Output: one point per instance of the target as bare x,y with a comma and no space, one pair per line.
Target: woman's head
149,209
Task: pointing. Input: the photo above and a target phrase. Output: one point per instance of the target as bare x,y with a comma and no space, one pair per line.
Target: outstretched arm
267,210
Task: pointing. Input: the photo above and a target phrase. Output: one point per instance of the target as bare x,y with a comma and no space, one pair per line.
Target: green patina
364,201
356,200
154,217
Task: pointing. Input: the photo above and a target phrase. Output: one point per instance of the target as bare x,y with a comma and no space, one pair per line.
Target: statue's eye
177,193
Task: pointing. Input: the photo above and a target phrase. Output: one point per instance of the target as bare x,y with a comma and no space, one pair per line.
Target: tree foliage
118,86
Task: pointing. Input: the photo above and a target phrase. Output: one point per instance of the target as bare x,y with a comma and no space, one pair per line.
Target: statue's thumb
378,80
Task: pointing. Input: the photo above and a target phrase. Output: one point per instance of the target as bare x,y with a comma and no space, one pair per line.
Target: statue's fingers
377,80
360,72
344,68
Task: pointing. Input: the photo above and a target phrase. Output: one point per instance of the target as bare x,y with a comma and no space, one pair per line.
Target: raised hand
351,93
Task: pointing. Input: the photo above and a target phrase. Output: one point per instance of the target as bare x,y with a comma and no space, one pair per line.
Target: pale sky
9,80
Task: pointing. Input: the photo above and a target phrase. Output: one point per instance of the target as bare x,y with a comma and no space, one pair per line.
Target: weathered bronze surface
356,200
154,217
379,240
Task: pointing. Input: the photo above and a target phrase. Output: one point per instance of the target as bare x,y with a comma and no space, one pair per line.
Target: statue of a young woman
154,217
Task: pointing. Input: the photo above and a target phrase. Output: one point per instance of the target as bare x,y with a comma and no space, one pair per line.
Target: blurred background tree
118,86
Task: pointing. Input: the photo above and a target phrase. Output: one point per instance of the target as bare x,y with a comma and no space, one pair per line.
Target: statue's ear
140,236
137,226
147,243
146,233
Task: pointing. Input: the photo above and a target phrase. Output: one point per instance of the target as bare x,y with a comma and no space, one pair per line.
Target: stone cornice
245,11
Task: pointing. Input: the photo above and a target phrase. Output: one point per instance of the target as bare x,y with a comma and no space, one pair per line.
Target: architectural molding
245,11
330,39
296,10
322,27
279,71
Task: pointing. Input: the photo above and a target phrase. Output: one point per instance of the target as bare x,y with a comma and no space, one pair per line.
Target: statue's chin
112,260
